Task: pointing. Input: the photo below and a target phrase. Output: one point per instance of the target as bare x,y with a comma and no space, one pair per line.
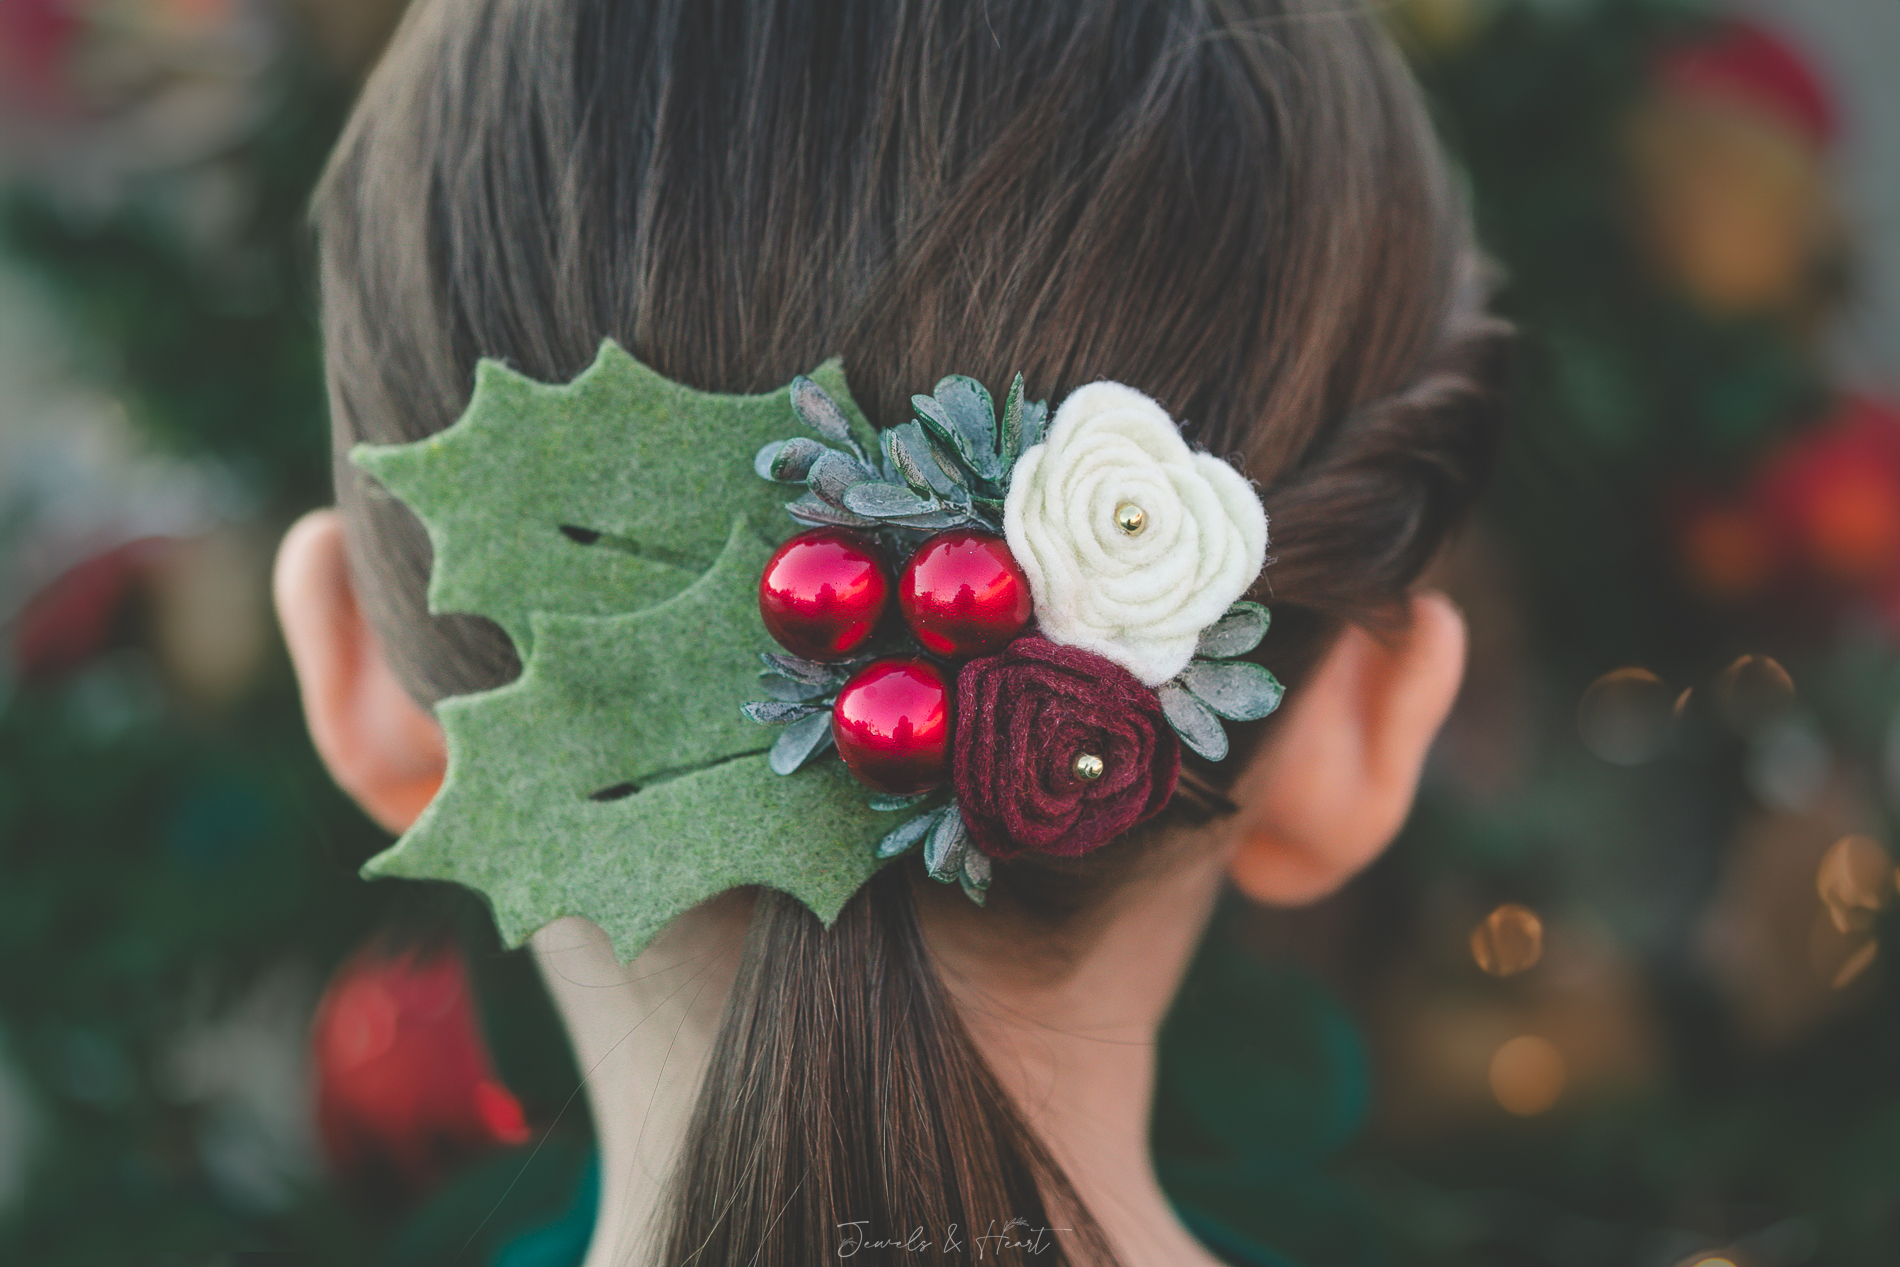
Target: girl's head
1236,206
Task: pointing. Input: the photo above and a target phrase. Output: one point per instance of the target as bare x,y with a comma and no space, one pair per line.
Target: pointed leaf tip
821,413
773,712
1236,633
1012,443
800,742
817,513
885,501
906,834
1194,721
1238,690
974,871
885,803
789,461
943,852
832,475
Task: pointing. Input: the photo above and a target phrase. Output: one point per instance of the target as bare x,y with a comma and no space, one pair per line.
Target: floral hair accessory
1060,750
1132,542
1096,632
972,596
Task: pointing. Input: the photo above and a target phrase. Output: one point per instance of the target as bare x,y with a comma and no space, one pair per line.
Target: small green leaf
809,509
800,742
885,803
935,417
943,852
832,475
790,461
1238,690
973,421
822,414
1235,633
1194,721
907,833
960,435
949,465
933,521
763,460
780,687
803,670
772,712
1035,421
974,873
876,500
1013,421
917,460
900,463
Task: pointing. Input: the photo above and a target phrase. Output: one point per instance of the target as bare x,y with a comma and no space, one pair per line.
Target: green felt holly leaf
618,777
603,495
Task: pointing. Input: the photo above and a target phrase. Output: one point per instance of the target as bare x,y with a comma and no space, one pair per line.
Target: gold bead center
1130,518
1087,767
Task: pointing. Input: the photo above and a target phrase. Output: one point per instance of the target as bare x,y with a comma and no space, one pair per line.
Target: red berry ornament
892,726
964,594
822,593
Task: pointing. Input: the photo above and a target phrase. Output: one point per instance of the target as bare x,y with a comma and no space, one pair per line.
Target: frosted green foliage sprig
1217,684
948,468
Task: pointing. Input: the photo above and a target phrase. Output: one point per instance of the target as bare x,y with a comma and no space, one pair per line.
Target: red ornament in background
1816,527
1753,66
892,726
72,619
964,595
36,39
405,1085
1730,195
823,593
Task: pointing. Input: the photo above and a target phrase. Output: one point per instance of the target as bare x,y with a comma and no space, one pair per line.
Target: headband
1003,627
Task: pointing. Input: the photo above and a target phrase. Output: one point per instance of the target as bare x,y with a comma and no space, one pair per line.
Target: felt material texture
1140,598
603,495
1024,715
617,778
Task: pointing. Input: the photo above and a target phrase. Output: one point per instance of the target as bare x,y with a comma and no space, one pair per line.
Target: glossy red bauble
892,726
964,594
823,592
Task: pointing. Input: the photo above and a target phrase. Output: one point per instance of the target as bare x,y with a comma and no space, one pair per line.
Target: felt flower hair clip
1024,689
1006,625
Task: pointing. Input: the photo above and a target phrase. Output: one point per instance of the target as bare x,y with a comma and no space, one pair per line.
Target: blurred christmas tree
1623,972
177,873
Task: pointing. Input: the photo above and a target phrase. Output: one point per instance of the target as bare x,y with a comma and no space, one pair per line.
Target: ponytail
847,1106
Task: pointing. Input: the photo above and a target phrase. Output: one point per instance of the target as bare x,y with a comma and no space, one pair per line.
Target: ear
381,747
1332,787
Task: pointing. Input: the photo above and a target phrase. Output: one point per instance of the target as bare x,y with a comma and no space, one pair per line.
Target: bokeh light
1855,881
1625,716
1839,957
1753,691
1528,1075
1508,941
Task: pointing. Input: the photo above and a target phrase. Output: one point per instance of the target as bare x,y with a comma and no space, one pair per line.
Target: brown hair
1236,206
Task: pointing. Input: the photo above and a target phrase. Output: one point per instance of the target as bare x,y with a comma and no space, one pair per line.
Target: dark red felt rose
1024,716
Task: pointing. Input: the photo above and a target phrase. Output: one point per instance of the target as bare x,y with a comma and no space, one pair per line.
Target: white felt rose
1133,543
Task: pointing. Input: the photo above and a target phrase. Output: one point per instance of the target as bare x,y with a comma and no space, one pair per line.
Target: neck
1076,1049
642,1034
1077,1053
